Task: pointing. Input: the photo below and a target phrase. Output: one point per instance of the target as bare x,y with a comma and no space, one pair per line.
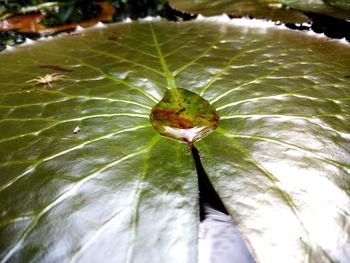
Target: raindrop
184,115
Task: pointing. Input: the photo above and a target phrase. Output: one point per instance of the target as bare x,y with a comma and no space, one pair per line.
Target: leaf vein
60,199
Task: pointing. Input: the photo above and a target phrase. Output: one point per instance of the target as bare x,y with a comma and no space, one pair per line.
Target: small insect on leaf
47,79
76,130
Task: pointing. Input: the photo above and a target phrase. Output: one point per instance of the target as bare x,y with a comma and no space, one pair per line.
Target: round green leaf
119,191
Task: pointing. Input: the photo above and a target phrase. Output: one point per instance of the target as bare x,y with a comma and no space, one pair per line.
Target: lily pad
118,190
266,8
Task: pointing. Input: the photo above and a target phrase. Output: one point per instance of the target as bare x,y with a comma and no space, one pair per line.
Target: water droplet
184,115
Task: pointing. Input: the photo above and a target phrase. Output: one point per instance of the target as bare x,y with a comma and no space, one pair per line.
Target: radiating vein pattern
84,177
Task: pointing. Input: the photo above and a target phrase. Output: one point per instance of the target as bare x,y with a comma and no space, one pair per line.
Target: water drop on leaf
184,115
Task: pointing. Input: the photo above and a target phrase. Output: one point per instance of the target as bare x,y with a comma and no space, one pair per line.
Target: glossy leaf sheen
118,190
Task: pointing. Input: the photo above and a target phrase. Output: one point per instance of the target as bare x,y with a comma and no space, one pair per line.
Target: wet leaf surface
184,115
117,189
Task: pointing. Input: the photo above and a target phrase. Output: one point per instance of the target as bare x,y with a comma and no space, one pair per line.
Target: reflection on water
219,239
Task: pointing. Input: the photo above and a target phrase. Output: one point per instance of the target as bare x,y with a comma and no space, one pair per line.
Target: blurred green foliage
62,12
65,12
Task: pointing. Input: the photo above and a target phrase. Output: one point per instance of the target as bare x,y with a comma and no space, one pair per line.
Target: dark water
219,239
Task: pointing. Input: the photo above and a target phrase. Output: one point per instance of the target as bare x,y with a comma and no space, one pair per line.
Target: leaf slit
214,217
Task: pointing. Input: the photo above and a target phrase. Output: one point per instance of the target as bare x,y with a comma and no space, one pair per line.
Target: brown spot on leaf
113,38
56,68
184,115
172,117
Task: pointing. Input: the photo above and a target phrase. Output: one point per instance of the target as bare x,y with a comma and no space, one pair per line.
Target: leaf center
184,115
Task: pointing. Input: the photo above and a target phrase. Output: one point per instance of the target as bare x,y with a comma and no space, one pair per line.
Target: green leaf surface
119,191
276,9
